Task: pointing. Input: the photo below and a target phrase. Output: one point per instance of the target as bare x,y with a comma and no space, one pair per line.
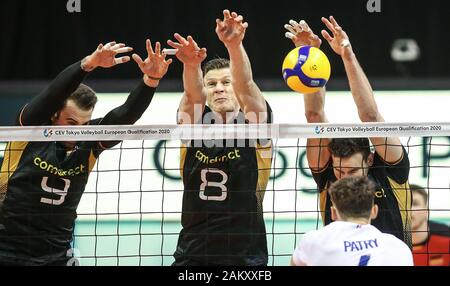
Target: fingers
229,18
220,25
168,62
290,29
289,35
123,50
304,26
226,14
174,45
148,46
327,36
109,45
138,60
117,46
158,48
314,37
186,44
114,47
334,22
180,39
295,26
329,25
121,60
192,42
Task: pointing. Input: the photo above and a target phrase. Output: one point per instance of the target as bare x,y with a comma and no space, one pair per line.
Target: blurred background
402,46
40,38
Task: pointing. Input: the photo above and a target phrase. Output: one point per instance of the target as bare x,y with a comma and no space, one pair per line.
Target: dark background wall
39,38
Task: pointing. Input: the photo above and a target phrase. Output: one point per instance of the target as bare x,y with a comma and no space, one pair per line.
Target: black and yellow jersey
43,186
393,196
41,183
222,215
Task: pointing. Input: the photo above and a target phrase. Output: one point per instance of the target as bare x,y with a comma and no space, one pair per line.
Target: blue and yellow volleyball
306,69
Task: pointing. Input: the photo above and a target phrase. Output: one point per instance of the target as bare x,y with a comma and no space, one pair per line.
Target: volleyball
306,69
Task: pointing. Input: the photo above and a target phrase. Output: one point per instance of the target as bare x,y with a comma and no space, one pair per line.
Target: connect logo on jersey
319,130
48,132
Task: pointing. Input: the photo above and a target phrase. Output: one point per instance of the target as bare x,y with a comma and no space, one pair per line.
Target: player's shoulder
96,121
394,242
314,236
318,235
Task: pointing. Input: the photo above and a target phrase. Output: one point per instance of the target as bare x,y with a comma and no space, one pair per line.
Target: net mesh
131,208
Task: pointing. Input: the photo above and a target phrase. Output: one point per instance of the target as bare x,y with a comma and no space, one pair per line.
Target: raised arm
316,149
154,67
231,31
194,97
41,108
389,148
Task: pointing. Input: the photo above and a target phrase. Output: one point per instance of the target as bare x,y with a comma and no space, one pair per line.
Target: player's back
350,244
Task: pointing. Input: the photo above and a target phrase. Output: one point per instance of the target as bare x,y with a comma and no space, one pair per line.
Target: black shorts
6,259
185,261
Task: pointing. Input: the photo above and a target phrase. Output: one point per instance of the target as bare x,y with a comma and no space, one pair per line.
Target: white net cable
216,131
131,208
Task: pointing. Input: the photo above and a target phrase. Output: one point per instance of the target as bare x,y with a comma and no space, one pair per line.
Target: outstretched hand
155,66
301,34
231,30
105,56
188,52
339,42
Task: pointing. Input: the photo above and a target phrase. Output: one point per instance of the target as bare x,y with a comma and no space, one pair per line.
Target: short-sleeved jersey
350,244
224,187
43,185
435,251
392,196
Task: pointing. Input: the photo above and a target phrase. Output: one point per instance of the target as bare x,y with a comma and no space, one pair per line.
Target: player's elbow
370,115
314,116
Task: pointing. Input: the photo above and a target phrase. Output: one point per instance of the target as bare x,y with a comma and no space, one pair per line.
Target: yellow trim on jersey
92,160
183,151
264,162
12,155
404,200
323,201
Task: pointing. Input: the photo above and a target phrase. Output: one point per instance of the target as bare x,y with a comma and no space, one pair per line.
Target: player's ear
334,215
374,211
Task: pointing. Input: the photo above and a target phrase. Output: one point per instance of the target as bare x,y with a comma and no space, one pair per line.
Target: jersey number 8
220,185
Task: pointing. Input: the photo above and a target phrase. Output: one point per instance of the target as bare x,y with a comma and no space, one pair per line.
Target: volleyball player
41,183
224,185
333,159
431,240
350,240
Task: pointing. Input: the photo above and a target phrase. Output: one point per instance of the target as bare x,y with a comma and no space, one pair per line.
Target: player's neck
358,220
